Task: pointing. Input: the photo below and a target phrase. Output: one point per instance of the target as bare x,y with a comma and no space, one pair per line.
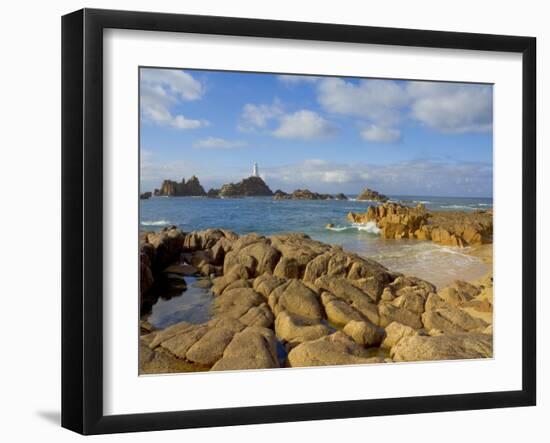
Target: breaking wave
155,223
369,227
457,207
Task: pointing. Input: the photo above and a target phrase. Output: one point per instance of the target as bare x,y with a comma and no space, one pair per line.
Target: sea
435,263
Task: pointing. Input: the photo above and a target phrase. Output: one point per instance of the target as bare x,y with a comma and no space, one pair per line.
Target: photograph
291,221
257,222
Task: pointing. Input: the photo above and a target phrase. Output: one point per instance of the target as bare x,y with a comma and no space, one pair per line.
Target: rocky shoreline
452,228
289,301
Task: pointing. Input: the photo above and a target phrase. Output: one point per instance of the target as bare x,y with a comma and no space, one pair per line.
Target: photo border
82,220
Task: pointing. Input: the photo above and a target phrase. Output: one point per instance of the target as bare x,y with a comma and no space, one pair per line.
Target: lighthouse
255,170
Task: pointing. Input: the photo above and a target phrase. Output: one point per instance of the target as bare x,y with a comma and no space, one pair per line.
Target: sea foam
156,223
457,207
369,227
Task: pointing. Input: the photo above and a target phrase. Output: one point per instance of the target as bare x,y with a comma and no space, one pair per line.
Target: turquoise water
266,216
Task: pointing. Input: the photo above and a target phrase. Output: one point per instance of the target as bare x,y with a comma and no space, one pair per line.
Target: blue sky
329,134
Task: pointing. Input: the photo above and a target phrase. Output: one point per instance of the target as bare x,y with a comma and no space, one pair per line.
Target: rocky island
191,188
306,194
213,193
253,186
249,187
371,195
451,228
289,301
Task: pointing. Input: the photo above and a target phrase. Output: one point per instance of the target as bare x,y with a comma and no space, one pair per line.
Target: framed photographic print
269,221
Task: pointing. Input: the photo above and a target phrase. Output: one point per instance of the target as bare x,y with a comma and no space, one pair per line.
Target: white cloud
176,82
452,108
379,134
304,125
153,170
419,177
218,143
181,122
271,119
375,100
296,79
258,116
443,107
313,173
161,90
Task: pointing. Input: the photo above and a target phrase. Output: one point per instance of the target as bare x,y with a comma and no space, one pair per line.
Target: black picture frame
82,218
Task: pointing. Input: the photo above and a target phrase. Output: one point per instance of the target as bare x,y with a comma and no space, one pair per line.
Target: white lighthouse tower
255,172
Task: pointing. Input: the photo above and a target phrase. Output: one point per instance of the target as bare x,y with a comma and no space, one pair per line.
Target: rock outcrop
334,349
145,195
443,347
281,195
288,300
213,193
189,188
371,195
157,250
248,187
446,227
306,194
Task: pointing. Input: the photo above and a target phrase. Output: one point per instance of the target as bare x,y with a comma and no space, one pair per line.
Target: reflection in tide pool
192,305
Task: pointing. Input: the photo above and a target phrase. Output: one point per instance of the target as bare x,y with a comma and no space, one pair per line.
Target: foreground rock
335,349
296,298
248,187
253,348
443,347
451,228
294,329
306,194
443,316
364,332
395,331
159,361
318,303
156,252
371,195
191,188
